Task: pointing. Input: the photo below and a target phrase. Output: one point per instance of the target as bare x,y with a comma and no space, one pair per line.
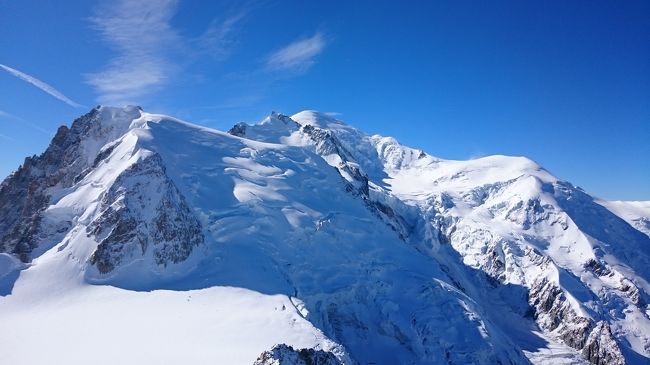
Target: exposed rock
633,292
598,268
326,142
554,314
396,222
238,130
283,118
286,355
548,301
601,348
143,210
26,193
528,213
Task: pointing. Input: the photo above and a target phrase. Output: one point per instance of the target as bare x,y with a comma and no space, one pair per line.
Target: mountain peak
114,107
109,117
279,116
316,118
276,117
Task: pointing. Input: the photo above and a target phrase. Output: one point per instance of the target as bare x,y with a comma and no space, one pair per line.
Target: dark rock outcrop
554,314
286,355
238,130
144,210
600,347
26,193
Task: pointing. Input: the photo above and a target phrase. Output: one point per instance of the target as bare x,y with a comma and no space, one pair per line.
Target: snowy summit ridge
301,240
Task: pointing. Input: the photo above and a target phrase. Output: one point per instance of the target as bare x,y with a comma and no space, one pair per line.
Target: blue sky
566,83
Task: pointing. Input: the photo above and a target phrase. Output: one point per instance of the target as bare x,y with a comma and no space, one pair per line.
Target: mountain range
140,238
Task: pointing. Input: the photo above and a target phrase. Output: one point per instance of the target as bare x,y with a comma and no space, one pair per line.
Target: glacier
141,238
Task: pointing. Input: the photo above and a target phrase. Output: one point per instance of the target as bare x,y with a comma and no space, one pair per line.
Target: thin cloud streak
297,56
6,137
141,34
6,115
41,85
217,41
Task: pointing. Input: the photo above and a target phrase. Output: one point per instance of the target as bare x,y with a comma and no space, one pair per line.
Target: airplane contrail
41,85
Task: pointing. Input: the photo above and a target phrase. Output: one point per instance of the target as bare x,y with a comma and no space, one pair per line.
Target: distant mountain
140,238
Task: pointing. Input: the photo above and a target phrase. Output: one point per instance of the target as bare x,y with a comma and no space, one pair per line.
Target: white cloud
41,85
218,40
297,56
143,38
149,50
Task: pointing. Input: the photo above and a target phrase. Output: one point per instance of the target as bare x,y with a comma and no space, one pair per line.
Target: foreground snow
106,325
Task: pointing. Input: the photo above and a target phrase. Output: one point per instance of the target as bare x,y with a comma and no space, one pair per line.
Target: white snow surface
636,213
293,254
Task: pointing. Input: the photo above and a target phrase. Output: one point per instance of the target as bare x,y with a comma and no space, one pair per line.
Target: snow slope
176,243
636,213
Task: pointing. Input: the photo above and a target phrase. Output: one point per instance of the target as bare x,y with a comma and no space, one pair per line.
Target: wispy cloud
9,116
219,38
297,56
41,85
142,36
6,137
149,51
249,87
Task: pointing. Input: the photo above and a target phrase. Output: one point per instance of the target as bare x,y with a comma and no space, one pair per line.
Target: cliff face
287,355
143,214
26,193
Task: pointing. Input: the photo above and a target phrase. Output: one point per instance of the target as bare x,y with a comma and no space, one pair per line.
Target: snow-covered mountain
140,238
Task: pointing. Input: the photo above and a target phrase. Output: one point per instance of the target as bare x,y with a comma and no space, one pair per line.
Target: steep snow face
306,233
512,220
280,219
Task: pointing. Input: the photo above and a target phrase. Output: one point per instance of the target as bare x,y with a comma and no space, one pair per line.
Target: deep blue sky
566,83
